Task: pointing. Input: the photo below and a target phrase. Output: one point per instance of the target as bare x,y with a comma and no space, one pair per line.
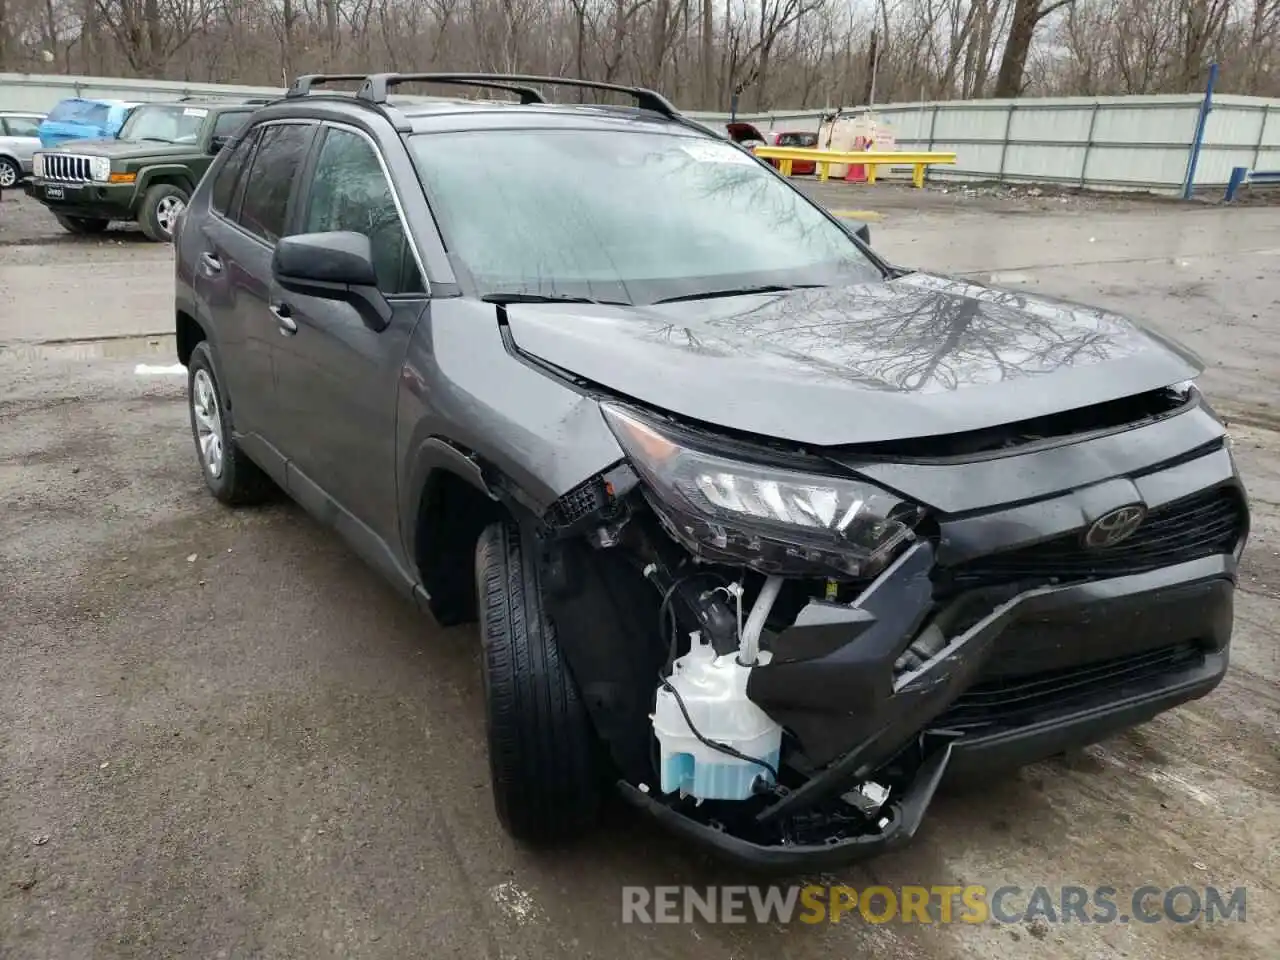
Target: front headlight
37,166
100,168
771,518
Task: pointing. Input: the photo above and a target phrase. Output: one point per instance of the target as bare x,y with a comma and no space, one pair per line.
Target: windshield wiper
503,298
742,291
153,139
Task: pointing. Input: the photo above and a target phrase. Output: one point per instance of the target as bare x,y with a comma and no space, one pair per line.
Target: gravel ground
224,737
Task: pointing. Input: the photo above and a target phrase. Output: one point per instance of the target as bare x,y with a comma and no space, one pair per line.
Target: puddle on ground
109,348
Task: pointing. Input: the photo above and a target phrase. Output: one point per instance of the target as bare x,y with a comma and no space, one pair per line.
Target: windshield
625,216
170,124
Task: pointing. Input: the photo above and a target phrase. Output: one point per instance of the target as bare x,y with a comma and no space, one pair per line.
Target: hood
127,149
917,356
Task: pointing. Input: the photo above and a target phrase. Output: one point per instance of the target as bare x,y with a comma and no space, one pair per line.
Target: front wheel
82,226
542,748
162,205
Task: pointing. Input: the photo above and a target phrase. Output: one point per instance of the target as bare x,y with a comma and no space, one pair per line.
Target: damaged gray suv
765,533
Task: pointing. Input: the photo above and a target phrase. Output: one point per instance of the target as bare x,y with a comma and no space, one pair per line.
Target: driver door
337,379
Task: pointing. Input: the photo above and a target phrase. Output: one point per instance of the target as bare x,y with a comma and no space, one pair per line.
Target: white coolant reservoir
714,691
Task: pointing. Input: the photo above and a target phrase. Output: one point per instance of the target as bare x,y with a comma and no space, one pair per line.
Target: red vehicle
796,138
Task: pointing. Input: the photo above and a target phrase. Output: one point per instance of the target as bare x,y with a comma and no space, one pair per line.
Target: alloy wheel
204,404
168,210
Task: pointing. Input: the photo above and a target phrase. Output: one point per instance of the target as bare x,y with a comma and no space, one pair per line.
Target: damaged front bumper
837,678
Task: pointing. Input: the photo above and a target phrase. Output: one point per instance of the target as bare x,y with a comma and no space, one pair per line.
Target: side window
226,124
224,183
281,152
22,126
349,191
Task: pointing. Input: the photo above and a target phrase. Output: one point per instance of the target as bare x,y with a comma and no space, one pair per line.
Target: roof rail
207,97
376,87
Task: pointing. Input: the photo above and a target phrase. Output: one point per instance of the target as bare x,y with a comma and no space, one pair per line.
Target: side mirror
216,144
333,266
857,228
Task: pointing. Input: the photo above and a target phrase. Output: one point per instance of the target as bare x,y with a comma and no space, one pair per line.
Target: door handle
211,263
288,326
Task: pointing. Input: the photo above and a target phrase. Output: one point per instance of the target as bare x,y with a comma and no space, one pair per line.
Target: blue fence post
1205,106
1237,177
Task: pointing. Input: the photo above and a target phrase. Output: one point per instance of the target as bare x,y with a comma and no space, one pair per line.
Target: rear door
251,203
21,138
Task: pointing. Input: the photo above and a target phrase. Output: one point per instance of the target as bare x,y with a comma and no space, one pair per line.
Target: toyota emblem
1114,527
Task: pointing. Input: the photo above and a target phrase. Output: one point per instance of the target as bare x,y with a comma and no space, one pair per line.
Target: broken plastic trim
904,819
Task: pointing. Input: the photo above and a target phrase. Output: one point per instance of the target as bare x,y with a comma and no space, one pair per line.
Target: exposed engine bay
789,644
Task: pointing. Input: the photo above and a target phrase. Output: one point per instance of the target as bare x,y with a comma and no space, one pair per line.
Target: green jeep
145,175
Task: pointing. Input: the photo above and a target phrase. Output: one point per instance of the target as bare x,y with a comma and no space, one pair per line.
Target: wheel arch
452,503
173,175
187,333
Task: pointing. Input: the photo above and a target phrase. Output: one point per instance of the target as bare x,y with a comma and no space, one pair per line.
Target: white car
19,140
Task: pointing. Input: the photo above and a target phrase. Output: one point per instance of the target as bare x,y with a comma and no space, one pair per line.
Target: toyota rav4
762,531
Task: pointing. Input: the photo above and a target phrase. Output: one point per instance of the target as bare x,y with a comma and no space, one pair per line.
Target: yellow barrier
867,158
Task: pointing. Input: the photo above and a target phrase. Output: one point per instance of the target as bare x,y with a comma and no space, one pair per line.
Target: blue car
80,119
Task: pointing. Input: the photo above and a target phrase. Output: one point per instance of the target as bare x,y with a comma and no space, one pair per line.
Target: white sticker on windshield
195,112
713,151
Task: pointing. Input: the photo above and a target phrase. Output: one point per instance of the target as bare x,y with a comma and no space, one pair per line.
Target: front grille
1207,523
1015,702
66,168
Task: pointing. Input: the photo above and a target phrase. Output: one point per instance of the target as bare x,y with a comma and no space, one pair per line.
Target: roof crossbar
303,84
376,87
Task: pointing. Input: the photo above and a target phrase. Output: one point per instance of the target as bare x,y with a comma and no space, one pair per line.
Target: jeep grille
66,168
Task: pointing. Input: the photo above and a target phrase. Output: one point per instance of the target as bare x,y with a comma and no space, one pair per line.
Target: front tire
229,474
82,226
542,749
162,205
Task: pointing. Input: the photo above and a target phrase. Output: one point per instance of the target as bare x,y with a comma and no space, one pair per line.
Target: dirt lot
223,737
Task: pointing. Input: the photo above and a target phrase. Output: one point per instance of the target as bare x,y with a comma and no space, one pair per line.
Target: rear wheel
9,173
230,475
82,226
161,207
542,750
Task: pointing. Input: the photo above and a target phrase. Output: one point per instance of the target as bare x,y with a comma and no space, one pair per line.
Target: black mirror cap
334,266
217,144
340,258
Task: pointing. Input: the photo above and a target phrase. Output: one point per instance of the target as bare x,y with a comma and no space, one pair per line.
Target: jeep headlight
772,518
37,166
100,168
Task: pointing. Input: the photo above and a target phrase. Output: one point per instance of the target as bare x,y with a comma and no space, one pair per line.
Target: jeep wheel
230,475
542,750
82,226
9,173
161,207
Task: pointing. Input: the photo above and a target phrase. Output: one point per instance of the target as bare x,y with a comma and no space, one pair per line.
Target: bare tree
777,53
1027,15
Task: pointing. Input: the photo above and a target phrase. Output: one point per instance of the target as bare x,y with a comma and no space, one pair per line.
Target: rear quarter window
78,111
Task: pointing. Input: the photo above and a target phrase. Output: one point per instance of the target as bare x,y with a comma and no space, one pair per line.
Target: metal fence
1136,143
